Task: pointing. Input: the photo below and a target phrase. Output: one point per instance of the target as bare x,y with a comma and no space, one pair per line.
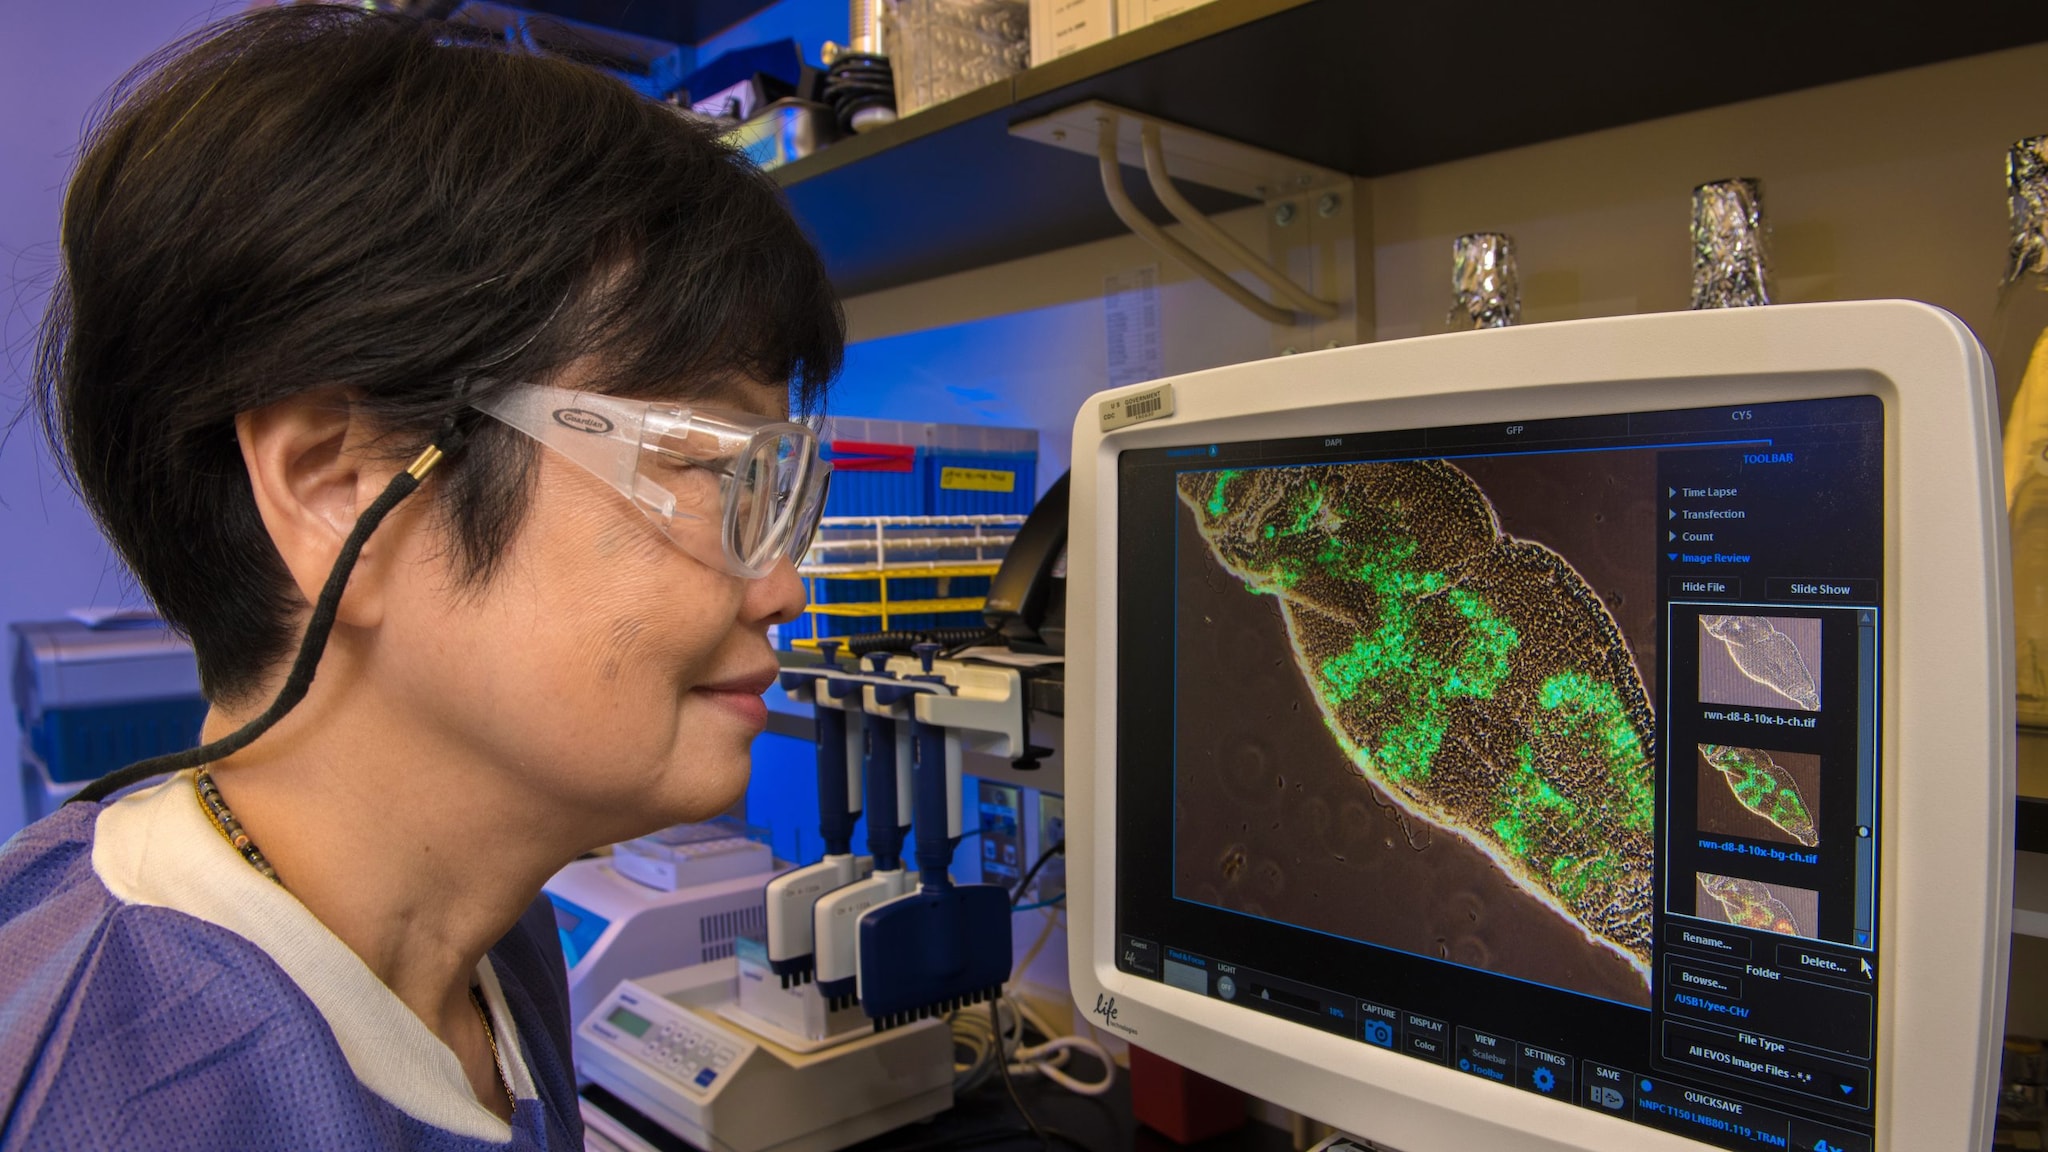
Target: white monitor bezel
1948,777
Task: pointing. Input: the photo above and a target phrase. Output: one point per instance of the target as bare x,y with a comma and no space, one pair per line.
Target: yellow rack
881,569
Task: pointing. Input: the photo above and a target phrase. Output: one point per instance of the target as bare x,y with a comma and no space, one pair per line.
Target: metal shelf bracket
1117,137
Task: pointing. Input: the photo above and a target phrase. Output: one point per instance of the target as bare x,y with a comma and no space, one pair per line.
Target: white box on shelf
1138,13
1062,26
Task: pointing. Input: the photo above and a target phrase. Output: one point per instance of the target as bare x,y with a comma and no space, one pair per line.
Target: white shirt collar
156,847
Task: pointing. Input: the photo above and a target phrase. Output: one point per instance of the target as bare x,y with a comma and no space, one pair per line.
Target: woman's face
601,669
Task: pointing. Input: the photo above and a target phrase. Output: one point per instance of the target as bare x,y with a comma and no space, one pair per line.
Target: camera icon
1378,1032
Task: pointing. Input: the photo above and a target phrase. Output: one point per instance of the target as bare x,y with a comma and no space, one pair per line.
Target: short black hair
316,196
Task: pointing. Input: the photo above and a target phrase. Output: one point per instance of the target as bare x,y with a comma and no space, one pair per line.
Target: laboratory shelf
676,21
1366,87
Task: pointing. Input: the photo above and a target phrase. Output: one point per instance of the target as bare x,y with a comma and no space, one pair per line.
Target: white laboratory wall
56,63
1024,343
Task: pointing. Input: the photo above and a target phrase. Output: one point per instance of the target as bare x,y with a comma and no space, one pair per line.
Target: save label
977,480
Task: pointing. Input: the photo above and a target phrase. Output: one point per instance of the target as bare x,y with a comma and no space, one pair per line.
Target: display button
1138,956
1810,1137
1813,961
1485,1054
1606,1088
1425,1037
1706,940
722,1058
1765,1061
1543,1072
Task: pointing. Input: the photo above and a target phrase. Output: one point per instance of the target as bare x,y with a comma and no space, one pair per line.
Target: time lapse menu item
1546,752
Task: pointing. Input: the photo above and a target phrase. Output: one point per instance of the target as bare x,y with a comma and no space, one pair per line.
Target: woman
310,258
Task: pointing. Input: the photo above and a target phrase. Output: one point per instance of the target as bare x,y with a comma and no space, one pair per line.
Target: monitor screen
1545,751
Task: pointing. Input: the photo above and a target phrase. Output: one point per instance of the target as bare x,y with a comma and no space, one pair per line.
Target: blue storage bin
93,699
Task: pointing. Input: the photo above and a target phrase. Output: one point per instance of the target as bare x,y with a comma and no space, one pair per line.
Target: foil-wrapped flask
1486,290
1730,263
2019,354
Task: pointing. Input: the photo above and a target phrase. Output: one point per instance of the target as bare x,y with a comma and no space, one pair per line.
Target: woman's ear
311,478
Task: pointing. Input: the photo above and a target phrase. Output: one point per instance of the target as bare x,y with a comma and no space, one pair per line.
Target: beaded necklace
223,820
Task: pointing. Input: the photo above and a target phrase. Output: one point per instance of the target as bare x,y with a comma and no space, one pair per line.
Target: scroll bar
1869,692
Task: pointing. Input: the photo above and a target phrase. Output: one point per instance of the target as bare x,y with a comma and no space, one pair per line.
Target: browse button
1824,962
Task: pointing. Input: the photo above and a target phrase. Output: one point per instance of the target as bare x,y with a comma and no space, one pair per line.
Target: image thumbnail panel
1760,661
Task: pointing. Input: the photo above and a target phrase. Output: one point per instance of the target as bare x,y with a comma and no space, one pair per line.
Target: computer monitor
1592,735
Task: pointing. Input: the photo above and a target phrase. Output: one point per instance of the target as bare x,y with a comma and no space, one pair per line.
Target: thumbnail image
1409,711
1760,661
1750,904
1758,794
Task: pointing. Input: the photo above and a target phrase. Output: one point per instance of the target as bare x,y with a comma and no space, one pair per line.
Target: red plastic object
1185,1107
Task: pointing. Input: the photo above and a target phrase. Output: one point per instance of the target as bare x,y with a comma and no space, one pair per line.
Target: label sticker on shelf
977,480
1137,408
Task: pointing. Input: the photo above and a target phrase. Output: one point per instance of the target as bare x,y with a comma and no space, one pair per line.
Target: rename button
1706,940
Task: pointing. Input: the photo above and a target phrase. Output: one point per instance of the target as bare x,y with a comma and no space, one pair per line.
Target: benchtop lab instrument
1590,736
826,1024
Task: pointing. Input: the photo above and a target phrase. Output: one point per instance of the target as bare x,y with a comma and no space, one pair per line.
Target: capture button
1378,1024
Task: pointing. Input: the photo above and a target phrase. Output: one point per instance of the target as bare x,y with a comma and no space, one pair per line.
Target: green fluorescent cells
1590,712
1388,666
1216,503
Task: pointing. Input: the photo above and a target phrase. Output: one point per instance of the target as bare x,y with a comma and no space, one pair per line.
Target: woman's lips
742,694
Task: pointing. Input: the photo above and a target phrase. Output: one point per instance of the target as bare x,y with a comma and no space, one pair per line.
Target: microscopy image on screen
1759,794
1750,904
1441,739
1760,661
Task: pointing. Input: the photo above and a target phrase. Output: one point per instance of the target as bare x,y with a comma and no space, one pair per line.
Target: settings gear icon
1544,1079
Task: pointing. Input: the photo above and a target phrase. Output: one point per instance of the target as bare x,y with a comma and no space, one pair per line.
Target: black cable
986,636
1059,847
904,639
995,1019
446,442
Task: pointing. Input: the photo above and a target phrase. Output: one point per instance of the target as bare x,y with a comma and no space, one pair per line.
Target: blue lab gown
157,993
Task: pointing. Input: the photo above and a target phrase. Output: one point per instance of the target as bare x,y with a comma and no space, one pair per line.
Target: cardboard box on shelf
1138,13
1062,26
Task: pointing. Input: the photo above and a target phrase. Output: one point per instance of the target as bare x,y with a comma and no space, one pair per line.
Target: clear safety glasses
731,489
